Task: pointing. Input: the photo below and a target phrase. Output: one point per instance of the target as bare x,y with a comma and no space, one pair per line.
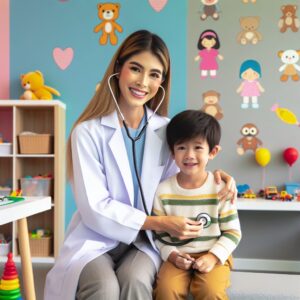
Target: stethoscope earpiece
205,219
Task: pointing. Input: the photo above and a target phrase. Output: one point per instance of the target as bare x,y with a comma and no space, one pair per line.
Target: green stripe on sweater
198,239
231,237
228,218
190,202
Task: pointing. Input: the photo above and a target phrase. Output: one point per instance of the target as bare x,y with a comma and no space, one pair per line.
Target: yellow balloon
262,156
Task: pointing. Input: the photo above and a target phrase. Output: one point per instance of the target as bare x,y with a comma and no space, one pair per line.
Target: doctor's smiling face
139,80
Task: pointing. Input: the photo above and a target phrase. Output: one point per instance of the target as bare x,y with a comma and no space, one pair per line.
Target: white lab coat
104,193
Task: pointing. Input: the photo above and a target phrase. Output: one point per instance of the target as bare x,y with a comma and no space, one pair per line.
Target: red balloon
290,155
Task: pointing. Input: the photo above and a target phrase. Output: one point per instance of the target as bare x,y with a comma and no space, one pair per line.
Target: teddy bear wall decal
210,9
211,106
108,13
249,33
290,67
289,20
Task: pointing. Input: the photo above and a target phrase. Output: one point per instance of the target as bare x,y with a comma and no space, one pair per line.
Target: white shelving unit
267,265
40,116
260,204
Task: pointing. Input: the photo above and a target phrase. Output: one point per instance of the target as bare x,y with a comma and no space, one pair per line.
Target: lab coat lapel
117,147
152,165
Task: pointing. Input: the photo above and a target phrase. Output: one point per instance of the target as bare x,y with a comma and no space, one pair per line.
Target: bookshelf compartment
39,117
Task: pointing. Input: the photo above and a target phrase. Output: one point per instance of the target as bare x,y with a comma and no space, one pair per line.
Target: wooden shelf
32,103
259,204
40,116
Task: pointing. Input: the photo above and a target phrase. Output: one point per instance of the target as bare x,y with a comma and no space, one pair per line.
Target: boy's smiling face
191,156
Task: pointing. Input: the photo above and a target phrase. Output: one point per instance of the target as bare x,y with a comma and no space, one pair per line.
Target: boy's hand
205,263
181,260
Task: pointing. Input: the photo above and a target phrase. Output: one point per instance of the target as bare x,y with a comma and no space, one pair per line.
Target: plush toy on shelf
35,89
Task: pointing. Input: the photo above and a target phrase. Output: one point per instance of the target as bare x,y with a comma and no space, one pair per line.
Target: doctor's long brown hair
102,102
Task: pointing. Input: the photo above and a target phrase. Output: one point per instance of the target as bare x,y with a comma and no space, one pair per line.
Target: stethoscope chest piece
205,219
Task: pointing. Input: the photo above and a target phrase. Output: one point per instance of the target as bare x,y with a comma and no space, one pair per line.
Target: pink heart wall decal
158,5
63,57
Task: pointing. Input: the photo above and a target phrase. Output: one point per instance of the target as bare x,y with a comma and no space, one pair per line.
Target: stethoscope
203,217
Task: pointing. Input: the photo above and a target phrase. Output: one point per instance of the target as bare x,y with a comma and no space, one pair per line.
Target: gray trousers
122,273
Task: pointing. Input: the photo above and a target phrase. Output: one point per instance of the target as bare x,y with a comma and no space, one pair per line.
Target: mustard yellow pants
174,283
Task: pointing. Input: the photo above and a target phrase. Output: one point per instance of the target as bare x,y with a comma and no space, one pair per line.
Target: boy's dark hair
190,124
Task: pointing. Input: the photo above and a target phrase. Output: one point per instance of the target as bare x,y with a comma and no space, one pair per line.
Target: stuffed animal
108,13
289,18
249,33
289,67
35,89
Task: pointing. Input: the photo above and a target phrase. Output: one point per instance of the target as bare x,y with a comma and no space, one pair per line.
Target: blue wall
39,26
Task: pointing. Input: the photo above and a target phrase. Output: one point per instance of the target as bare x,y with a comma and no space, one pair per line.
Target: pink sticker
158,5
63,57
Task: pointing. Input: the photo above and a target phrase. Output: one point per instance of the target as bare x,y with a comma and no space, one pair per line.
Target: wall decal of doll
250,88
208,46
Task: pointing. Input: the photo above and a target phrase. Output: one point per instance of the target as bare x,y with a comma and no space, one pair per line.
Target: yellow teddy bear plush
35,89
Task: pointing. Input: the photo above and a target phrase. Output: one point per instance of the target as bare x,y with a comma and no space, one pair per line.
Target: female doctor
108,252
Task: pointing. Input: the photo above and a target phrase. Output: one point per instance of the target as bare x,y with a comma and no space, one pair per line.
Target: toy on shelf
285,196
297,195
292,187
271,192
242,188
249,194
9,283
35,89
14,196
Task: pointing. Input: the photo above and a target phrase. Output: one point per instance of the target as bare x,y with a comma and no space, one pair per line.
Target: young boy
202,266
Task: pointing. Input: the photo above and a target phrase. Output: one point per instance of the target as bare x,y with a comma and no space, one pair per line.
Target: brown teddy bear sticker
288,18
108,13
211,105
249,33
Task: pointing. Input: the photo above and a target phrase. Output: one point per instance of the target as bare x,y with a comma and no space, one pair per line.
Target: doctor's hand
229,191
181,227
181,260
205,263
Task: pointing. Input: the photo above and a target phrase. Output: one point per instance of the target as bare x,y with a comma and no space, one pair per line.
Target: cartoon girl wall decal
250,88
208,46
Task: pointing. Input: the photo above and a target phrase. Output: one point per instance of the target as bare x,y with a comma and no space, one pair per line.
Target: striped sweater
223,234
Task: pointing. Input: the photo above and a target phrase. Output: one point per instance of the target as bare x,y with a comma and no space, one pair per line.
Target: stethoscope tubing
133,141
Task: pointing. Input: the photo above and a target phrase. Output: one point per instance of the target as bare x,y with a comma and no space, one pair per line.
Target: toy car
285,196
271,192
249,194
